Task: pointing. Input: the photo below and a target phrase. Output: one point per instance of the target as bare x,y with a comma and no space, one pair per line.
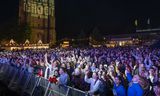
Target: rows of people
120,71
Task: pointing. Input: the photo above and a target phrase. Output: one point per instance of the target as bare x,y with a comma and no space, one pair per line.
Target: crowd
120,71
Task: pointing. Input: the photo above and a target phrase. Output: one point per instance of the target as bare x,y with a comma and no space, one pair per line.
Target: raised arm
46,60
128,75
96,86
86,79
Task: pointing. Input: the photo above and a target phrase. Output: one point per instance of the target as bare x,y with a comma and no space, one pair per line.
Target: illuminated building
39,16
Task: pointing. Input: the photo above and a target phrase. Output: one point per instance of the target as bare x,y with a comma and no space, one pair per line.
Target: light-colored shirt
48,67
63,79
94,84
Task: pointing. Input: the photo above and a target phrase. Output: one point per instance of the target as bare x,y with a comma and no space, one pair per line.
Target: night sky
109,16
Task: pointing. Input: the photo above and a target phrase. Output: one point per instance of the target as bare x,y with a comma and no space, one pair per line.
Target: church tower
38,16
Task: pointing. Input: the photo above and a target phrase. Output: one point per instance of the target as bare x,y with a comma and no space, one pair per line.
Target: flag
148,21
136,22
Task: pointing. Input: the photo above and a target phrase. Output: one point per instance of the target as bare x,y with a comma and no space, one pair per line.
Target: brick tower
39,15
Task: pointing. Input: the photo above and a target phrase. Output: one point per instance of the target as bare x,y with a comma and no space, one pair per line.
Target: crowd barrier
28,84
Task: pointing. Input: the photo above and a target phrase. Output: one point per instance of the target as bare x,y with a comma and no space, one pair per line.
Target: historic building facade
39,17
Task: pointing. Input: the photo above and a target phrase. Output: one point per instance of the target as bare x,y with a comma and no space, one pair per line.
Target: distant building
39,17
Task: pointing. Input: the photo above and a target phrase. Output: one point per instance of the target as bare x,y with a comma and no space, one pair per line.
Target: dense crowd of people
119,71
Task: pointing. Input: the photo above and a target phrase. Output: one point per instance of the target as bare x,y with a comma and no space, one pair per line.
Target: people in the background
157,90
108,63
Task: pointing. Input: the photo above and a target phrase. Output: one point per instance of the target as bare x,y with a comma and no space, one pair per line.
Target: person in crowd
48,66
106,85
118,88
94,83
134,88
157,90
141,62
77,80
93,67
64,77
144,82
153,76
56,73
